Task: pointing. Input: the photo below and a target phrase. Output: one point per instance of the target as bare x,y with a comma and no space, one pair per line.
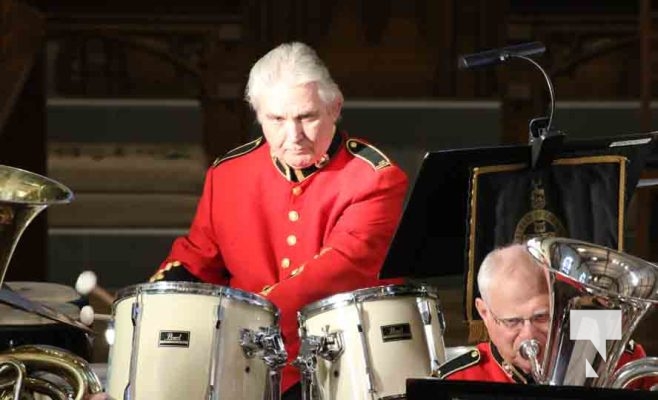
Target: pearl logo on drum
391,333
174,339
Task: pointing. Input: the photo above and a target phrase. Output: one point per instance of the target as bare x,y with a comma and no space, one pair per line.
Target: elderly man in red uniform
299,215
514,306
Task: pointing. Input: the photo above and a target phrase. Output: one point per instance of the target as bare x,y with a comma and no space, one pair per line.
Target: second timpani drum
364,344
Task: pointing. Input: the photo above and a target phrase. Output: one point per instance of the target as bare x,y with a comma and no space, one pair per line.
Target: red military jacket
486,364
294,236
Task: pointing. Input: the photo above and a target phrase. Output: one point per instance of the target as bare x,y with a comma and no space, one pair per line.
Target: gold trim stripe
238,151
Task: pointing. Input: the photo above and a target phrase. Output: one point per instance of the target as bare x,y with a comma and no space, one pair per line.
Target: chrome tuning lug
332,346
307,358
265,343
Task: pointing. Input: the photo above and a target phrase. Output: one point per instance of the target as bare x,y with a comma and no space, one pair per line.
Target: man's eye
541,318
513,322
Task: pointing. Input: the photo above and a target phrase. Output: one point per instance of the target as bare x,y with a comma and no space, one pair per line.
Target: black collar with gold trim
512,371
298,175
461,362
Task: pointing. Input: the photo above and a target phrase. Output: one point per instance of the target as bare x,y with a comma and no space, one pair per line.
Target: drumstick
87,283
88,316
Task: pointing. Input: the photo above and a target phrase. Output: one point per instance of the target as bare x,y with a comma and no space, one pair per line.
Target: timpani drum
45,292
364,344
183,340
18,327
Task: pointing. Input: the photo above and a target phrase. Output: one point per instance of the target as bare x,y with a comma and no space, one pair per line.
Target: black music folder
466,202
436,389
432,237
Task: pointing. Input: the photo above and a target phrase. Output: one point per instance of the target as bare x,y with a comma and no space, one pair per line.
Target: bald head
513,287
509,268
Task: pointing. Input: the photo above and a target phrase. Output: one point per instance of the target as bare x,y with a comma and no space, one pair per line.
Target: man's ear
335,108
482,308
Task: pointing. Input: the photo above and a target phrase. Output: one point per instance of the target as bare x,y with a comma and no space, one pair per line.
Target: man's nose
293,130
528,330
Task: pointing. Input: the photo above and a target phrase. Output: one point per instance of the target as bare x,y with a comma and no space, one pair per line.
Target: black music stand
431,238
436,389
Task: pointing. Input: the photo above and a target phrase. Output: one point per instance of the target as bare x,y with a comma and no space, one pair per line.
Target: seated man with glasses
514,306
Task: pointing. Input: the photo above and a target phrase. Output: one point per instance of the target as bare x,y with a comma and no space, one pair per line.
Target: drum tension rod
426,316
267,343
364,346
329,347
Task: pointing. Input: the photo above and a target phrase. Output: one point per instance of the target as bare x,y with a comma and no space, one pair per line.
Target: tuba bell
23,195
35,369
588,277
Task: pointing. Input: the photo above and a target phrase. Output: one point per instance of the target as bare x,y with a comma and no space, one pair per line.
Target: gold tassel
477,332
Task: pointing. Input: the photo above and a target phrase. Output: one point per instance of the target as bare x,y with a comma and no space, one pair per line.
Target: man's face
501,315
297,124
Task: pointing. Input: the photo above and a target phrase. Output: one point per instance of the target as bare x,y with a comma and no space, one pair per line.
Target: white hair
485,274
294,63
506,259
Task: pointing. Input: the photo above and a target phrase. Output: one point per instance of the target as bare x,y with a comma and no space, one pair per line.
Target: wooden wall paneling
226,115
6,8
375,15
21,36
438,25
491,34
645,28
203,57
23,145
22,120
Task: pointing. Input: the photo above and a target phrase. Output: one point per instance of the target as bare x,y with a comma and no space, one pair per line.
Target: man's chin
300,163
525,365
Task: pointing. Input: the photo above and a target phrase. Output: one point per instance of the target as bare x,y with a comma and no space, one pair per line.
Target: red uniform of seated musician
300,215
514,306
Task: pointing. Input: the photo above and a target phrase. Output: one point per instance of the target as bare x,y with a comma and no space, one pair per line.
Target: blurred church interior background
128,103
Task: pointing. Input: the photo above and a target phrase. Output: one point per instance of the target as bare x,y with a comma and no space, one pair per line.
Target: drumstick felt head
86,282
87,315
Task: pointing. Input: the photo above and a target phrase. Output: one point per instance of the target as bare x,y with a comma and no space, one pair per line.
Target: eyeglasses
518,322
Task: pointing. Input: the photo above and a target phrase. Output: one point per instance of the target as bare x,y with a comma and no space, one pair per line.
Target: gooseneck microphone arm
542,140
549,84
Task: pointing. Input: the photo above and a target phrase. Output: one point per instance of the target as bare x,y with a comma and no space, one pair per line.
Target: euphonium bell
587,277
45,370
23,195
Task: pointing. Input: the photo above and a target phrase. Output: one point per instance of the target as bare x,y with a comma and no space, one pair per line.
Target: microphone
500,55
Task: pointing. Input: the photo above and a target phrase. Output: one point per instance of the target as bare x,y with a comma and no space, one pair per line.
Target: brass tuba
584,276
35,369
23,195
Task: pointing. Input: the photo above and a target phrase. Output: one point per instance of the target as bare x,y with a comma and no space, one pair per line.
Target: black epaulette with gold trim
458,363
630,347
367,152
240,150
